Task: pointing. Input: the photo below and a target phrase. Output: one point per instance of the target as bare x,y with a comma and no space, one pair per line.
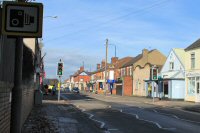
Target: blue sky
82,26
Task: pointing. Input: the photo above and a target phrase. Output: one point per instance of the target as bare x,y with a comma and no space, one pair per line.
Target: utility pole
105,86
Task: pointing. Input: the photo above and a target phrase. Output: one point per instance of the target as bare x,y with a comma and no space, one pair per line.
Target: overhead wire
97,26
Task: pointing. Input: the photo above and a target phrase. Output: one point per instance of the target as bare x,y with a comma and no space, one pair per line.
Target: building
136,73
192,72
81,79
118,86
173,75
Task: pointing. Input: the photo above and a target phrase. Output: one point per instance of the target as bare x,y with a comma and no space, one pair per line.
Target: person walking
54,90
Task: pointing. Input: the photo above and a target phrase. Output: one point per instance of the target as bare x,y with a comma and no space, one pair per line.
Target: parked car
75,90
67,89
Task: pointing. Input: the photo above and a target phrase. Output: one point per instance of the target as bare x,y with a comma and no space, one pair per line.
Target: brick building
81,78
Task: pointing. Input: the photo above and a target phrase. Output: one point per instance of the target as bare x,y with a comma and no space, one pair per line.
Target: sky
78,34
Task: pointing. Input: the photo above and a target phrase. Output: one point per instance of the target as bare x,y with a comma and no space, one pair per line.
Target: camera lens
15,22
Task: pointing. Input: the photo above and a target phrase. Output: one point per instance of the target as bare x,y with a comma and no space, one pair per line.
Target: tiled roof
122,61
181,55
194,45
131,62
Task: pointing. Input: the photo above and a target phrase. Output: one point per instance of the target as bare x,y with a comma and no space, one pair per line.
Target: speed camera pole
16,105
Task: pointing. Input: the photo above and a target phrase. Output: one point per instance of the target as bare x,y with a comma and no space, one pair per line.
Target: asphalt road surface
116,115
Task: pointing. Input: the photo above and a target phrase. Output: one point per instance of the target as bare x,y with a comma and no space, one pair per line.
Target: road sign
22,19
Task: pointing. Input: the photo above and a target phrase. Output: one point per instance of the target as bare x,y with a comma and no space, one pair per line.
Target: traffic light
60,69
154,74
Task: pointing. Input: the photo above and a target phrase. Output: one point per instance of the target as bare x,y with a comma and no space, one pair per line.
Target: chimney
144,52
98,66
81,68
114,60
103,63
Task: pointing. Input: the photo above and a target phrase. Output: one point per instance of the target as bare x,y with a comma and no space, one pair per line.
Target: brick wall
128,85
5,106
27,101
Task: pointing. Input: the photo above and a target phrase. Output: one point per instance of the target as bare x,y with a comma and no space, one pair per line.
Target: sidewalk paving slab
58,117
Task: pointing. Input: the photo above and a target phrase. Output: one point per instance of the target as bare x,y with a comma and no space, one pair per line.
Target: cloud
72,61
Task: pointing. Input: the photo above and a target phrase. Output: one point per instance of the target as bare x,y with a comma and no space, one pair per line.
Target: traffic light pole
59,88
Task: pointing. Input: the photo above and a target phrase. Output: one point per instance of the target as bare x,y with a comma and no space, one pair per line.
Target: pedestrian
149,90
54,90
46,87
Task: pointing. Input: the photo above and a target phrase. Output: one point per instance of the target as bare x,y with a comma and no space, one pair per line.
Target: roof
132,61
123,61
79,72
180,54
194,45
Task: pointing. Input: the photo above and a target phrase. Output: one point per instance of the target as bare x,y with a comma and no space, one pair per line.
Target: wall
178,89
28,96
5,106
177,64
139,75
128,85
7,57
195,72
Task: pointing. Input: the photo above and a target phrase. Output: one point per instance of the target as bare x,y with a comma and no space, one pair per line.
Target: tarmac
179,104
62,117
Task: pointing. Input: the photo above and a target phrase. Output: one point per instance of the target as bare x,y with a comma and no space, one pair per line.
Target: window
171,65
130,71
191,86
192,60
198,85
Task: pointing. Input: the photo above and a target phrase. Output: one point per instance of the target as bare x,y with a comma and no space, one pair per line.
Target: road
119,115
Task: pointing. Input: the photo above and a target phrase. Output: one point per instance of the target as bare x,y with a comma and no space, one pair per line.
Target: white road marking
113,129
153,122
90,117
176,117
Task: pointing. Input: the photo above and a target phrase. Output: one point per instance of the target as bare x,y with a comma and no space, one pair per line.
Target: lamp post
115,49
51,17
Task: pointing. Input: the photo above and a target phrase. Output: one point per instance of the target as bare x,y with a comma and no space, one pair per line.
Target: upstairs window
192,60
171,66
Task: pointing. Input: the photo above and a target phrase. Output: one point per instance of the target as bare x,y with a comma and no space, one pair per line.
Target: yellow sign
58,86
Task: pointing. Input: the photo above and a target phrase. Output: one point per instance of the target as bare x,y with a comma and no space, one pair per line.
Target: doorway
166,89
198,89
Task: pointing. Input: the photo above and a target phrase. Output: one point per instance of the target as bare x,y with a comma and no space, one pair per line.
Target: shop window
192,60
191,86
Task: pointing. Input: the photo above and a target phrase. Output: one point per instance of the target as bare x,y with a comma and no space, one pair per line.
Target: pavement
58,117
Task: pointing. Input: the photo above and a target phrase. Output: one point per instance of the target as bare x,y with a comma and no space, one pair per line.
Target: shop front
193,86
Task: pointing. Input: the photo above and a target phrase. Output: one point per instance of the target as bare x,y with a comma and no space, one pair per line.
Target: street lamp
115,49
51,17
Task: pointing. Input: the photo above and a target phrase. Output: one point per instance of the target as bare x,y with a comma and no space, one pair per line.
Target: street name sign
22,19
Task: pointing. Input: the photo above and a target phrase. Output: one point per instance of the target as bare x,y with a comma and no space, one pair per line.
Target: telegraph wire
98,26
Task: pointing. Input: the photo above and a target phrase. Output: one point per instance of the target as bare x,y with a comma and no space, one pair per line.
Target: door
119,89
165,89
198,89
